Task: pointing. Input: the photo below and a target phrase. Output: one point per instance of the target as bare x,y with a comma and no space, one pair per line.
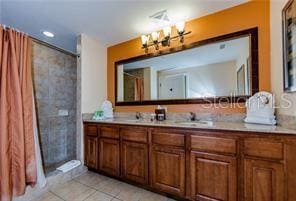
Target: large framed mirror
224,69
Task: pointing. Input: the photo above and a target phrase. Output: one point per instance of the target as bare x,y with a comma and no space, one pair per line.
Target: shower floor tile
95,187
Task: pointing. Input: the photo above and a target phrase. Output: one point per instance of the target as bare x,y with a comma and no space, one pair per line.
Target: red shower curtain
17,153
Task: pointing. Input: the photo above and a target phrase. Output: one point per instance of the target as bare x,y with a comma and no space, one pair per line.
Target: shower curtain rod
54,47
5,27
132,75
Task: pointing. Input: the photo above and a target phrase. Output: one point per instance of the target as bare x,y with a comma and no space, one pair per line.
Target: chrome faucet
192,116
138,115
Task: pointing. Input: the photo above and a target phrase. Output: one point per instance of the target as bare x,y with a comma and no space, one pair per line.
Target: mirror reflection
212,70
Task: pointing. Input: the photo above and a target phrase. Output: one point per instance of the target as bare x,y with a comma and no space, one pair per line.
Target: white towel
254,115
256,120
108,114
262,112
69,165
106,105
260,127
107,109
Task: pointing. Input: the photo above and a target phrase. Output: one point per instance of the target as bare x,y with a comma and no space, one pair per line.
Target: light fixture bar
149,44
153,38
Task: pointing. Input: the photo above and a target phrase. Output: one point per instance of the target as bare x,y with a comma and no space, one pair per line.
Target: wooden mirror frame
254,82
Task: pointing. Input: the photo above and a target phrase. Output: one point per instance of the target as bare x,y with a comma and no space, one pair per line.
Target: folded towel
106,105
262,112
254,115
260,127
107,109
256,120
69,165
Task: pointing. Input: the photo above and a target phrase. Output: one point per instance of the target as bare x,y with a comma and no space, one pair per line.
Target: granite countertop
214,125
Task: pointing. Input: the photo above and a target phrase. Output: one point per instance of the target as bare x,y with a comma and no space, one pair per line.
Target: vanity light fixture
155,36
180,26
167,31
154,40
167,34
145,40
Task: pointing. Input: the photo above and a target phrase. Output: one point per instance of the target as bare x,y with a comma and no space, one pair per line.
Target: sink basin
196,123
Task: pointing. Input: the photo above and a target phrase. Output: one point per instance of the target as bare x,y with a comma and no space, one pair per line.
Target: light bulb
180,27
155,36
48,34
145,40
167,31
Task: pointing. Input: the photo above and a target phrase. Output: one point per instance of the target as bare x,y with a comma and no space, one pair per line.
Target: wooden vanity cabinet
109,150
134,155
91,146
213,177
263,180
109,156
264,172
91,152
213,168
167,165
196,164
168,170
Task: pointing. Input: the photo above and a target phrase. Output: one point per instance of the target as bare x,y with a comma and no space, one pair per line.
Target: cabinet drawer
264,148
171,139
214,144
135,135
110,132
91,130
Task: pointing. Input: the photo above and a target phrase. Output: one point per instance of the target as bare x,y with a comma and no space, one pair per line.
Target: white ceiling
110,22
200,56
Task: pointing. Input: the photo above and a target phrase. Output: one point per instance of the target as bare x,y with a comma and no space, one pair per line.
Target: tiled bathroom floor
95,187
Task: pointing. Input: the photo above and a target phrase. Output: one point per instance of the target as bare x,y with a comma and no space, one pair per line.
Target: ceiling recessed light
48,34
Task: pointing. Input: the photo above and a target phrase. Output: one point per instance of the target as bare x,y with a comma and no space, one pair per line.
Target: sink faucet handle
192,116
138,115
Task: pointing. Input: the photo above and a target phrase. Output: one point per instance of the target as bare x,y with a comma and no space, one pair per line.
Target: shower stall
55,88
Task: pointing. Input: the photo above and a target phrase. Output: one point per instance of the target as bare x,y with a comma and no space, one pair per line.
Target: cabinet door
135,162
264,181
213,177
91,152
109,156
168,170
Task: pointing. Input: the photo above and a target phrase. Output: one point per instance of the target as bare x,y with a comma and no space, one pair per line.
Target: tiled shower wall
55,81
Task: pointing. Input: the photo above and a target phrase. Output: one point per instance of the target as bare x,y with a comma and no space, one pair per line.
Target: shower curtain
19,154
139,89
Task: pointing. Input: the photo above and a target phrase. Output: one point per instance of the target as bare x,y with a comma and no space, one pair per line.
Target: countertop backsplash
287,121
235,117
283,120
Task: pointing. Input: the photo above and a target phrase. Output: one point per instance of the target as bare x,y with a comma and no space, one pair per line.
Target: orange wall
251,14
